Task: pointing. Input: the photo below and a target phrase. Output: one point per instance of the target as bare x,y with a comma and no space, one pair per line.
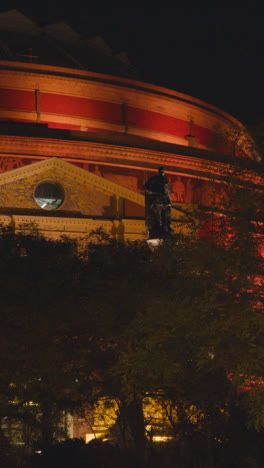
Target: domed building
80,136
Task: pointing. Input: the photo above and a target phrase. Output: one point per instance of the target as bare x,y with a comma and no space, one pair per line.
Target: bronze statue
158,205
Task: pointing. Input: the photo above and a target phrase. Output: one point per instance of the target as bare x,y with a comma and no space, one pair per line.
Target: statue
158,206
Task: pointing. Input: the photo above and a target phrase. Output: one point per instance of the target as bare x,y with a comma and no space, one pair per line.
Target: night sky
215,54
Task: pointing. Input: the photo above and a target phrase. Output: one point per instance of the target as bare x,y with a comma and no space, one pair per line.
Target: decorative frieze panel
8,163
112,155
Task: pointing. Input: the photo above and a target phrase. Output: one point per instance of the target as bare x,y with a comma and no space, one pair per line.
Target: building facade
94,139
99,138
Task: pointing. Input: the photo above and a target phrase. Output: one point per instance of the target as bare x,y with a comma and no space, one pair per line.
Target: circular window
49,195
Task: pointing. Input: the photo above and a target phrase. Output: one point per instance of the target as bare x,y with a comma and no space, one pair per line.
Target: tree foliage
181,325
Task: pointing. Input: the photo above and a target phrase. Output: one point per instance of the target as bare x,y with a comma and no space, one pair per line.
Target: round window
49,195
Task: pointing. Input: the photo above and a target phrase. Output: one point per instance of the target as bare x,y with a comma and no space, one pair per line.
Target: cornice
55,227
130,229
112,155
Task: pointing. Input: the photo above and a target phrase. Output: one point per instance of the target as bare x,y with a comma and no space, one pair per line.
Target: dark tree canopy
181,325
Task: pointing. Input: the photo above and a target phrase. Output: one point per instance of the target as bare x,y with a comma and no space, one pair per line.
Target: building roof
58,44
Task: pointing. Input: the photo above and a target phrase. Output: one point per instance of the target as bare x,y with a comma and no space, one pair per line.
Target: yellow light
92,436
161,438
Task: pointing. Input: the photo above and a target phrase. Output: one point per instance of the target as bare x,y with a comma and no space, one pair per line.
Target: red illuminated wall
20,100
105,104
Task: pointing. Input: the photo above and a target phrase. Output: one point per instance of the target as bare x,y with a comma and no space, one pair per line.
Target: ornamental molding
77,228
53,227
86,151
108,154
118,156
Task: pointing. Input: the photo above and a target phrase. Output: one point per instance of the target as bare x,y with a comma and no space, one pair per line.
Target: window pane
49,195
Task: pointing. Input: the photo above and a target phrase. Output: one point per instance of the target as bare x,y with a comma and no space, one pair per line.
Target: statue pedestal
154,243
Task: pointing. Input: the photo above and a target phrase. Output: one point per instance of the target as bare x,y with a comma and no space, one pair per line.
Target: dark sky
215,54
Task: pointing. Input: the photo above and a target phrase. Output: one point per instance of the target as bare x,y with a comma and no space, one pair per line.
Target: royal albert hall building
80,135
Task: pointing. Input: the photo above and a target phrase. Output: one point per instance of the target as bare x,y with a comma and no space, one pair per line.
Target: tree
37,372
182,324
193,313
